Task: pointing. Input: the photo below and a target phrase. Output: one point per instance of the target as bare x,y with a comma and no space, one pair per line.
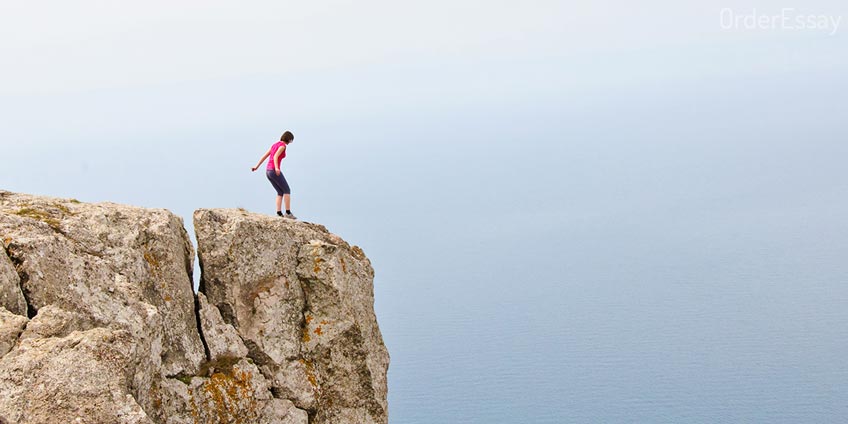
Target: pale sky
52,47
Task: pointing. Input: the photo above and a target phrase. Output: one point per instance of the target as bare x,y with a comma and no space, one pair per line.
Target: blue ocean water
693,322
625,271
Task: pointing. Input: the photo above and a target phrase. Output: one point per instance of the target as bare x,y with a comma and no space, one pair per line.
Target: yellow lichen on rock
225,397
38,215
310,373
151,260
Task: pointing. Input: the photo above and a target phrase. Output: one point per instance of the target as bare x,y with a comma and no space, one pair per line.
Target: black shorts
278,181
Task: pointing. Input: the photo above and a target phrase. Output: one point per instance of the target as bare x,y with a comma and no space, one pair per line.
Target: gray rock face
99,324
222,340
108,265
84,377
302,300
110,294
234,392
11,296
11,327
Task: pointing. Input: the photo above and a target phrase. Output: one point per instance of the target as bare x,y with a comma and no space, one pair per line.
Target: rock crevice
200,328
99,323
12,295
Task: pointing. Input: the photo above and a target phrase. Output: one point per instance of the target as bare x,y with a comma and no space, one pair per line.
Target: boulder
302,300
108,264
108,289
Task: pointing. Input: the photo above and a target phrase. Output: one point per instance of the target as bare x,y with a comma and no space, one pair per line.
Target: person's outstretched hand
254,168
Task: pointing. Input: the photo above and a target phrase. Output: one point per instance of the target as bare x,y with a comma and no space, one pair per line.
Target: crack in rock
118,332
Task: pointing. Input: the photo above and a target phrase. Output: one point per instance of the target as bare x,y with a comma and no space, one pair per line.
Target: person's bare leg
280,203
287,198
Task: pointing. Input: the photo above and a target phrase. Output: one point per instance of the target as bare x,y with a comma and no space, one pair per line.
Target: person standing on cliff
276,153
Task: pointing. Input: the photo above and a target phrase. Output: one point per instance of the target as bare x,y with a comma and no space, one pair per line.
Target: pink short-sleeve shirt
274,152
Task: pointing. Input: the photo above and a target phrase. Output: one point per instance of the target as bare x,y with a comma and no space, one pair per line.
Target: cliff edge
99,322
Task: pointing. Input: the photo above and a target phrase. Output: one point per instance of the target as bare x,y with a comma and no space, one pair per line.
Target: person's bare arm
277,155
265,156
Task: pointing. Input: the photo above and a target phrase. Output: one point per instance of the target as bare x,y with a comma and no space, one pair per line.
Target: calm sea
639,270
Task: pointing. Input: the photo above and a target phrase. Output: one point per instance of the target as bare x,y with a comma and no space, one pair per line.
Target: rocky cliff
99,322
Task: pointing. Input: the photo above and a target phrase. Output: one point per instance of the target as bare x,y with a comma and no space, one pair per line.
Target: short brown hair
287,137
